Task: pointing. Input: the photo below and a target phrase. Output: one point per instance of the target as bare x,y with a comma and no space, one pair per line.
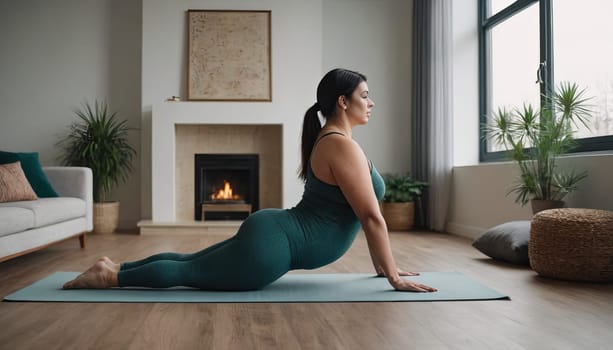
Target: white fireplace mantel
165,116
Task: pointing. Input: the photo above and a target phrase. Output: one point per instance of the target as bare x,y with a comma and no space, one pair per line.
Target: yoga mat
290,288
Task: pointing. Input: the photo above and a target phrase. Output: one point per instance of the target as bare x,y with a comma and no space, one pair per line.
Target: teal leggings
256,256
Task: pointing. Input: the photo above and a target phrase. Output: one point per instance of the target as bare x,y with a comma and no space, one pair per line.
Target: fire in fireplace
225,194
226,186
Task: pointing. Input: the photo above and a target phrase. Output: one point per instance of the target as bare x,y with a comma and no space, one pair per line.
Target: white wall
308,38
479,199
296,69
55,55
465,83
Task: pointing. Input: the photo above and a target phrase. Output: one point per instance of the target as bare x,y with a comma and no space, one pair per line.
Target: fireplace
226,186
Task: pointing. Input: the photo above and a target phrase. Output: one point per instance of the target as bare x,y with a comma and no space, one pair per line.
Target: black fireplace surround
241,171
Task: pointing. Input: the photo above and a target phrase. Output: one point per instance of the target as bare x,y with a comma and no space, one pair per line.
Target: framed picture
229,56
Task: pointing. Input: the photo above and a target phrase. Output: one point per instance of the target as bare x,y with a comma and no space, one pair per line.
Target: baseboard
225,228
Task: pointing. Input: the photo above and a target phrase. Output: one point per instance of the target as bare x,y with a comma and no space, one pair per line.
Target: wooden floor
543,313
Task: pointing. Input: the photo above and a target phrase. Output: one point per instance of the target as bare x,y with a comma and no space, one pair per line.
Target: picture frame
229,55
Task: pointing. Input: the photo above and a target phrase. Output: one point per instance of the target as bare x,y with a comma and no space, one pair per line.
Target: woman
341,192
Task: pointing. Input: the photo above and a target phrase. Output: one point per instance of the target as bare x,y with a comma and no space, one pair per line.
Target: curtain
431,148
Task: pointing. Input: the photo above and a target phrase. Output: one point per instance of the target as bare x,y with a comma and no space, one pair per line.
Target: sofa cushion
48,211
33,170
15,220
13,184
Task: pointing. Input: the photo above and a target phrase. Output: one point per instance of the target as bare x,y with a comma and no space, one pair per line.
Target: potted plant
398,205
536,139
99,141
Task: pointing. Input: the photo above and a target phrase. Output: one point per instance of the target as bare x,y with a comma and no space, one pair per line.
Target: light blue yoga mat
290,288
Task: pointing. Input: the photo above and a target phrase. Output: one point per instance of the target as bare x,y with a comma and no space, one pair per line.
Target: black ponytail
310,129
337,82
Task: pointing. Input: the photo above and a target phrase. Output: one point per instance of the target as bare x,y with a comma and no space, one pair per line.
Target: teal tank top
323,224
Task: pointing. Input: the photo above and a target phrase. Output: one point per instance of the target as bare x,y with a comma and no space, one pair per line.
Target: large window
583,53
529,46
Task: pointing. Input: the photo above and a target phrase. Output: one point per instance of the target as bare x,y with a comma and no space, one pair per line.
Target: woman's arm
350,169
375,264
381,273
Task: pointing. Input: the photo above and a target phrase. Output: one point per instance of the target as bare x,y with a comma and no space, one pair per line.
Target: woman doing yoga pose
341,192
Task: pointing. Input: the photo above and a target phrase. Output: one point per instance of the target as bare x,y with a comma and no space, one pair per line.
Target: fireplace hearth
226,186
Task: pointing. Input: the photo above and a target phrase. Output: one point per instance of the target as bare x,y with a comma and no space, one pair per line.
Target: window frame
590,144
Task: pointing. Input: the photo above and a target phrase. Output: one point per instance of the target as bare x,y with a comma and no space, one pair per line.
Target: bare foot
108,262
96,277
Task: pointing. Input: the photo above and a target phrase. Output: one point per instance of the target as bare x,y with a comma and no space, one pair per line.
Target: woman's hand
381,273
409,286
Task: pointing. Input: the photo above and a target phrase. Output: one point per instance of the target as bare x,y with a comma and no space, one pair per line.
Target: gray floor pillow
507,242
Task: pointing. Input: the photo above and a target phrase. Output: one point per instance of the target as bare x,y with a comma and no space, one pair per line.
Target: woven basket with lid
572,244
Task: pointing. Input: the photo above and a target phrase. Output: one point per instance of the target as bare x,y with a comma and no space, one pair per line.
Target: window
583,53
525,41
497,5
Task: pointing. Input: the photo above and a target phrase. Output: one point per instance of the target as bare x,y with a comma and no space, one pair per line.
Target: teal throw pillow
33,170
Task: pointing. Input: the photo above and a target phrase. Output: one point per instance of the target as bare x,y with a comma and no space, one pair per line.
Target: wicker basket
106,217
398,216
572,244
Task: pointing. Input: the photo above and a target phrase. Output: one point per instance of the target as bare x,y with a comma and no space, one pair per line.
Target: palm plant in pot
99,140
398,205
536,139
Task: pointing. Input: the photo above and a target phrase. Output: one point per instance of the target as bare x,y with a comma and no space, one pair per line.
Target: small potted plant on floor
99,141
398,205
536,139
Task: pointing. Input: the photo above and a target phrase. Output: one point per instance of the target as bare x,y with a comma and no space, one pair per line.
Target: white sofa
26,226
